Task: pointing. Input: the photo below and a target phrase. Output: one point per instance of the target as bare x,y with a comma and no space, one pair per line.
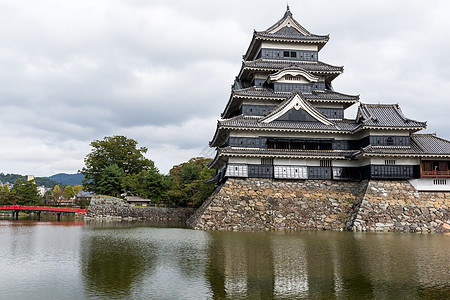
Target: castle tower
284,120
287,159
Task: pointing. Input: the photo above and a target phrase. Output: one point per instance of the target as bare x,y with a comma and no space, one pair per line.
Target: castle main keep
283,131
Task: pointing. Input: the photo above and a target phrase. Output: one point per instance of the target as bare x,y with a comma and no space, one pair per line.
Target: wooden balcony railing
435,173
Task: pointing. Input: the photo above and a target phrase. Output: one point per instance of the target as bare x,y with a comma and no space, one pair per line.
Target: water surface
78,260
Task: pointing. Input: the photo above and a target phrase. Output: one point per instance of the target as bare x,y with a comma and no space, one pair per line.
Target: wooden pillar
17,214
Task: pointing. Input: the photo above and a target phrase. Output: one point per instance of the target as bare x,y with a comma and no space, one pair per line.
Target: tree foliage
69,193
149,184
25,193
188,182
110,181
6,197
117,156
57,193
77,188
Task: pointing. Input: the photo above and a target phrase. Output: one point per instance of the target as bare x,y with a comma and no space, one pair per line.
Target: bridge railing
42,208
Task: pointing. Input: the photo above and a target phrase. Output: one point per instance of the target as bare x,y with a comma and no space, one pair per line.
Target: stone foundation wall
398,206
271,204
103,207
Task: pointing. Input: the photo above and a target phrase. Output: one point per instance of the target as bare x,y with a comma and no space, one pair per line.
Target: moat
126,260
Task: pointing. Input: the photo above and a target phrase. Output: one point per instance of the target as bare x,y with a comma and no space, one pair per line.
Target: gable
296,109
293,73
296,115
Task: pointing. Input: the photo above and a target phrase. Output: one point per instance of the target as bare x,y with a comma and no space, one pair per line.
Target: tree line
41,181
25,192
117,166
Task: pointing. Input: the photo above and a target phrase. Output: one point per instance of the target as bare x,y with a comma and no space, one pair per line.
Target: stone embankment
111,208
397,206
270,204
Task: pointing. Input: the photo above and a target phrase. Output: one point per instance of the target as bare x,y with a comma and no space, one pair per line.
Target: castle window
266,161
325,163
440,181
293,54
390,141
389,162
285,53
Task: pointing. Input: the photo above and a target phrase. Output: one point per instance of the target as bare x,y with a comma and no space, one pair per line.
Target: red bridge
38,209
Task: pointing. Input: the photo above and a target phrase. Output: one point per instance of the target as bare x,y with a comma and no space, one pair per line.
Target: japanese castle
284,120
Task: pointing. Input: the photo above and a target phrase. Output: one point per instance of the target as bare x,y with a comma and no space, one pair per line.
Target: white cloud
160,72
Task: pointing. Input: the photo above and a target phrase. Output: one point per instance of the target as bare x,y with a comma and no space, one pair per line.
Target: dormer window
390,141
289,77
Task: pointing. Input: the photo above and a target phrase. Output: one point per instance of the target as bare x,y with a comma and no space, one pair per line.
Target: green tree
26,192
57,194
110,181
4,195
77,188
69,193
115,150
148,184
188,182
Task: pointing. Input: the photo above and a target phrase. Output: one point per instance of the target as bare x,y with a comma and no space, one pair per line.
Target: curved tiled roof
430,143
291,33
275,65
249,122
269,94
294,31
330,95
260,92
422,145
285,152
385,115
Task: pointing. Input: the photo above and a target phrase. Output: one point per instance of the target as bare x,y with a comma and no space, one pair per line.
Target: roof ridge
288,14
427,134
437,137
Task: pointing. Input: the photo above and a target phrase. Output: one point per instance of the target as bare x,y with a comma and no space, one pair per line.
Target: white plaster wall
431,184
274,45
289,162
388,132
366,161
346,163
398,161
244,160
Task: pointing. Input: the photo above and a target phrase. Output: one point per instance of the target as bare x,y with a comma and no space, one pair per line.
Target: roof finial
288,11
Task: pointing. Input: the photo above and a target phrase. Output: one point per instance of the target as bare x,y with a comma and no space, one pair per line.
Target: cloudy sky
160,71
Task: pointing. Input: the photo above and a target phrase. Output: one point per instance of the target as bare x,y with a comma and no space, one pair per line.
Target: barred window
390,141
325,163
266,161
389,162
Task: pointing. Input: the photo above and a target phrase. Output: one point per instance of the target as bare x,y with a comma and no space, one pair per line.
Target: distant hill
67,179
11,178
